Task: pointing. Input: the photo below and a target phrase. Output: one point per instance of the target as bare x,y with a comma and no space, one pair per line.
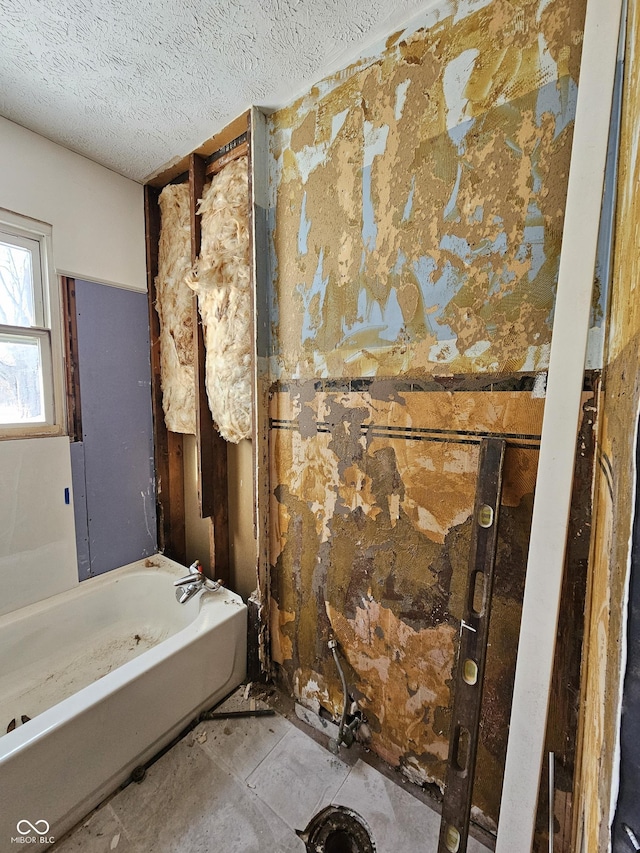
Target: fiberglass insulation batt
222,281
174,306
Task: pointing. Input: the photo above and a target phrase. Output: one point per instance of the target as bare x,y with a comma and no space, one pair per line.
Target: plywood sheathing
370,539
447,157
221,279
614,497
173,304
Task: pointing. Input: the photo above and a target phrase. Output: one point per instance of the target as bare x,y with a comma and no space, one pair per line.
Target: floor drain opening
337,829
340,842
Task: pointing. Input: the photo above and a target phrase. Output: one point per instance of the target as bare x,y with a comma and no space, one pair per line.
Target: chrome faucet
192,583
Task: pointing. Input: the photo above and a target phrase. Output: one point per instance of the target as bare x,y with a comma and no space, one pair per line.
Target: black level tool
472,651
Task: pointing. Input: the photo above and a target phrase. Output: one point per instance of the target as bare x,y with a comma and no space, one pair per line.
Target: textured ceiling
135,84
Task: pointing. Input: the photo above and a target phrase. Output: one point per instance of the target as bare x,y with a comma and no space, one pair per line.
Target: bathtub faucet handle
195,577
194,582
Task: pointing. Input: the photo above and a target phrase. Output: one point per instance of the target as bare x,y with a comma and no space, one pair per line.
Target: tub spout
193,583
186,592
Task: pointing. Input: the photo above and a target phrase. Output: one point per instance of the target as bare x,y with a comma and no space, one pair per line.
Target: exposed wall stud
258,211
74,408
168,445
211,447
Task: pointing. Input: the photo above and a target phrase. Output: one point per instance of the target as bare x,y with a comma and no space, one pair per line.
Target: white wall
37,531
98,234
97,215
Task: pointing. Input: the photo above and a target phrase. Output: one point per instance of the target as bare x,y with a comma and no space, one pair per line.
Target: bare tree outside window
21,391
16,282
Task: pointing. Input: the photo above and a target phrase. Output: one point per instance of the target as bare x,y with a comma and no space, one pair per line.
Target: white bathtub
109,673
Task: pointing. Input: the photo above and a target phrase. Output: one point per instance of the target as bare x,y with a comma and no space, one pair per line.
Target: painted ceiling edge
357,56
362,55
559,431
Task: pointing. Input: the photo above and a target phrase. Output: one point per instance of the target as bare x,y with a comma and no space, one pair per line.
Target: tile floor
244,786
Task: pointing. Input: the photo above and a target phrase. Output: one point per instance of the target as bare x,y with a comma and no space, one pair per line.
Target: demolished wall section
417,212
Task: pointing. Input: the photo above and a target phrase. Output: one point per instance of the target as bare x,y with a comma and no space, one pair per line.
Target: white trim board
559,430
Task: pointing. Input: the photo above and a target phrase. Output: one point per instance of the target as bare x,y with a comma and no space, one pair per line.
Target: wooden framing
211,447
232,131
74,409
259,203
204,424
217,165
168,445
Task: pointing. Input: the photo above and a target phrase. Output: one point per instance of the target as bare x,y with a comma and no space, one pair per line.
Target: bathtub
109,673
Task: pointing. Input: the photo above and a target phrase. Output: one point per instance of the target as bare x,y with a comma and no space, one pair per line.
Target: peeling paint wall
370,541
419,200
416,219
371,525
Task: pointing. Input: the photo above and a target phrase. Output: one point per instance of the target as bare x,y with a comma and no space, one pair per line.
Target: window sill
10,433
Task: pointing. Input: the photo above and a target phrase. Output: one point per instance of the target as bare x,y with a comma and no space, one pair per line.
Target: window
30,355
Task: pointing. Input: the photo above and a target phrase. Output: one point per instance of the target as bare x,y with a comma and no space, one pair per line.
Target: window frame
48,313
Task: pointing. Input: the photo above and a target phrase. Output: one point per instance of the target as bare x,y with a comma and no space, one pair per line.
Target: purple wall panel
115,391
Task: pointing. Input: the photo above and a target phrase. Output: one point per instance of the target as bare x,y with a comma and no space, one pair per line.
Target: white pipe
559,430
